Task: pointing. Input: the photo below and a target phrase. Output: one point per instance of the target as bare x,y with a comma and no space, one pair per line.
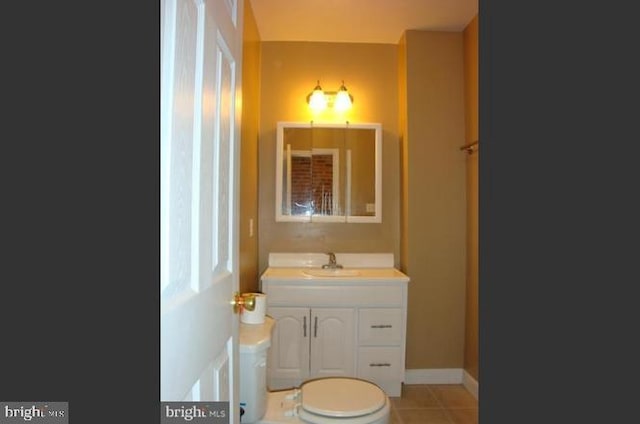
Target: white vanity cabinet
351,326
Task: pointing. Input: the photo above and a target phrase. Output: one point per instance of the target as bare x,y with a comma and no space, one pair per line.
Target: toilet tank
255,340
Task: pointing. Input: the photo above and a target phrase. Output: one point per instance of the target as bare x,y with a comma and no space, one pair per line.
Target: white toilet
324,400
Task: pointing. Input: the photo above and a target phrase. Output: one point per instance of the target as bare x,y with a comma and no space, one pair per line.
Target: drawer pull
382,326
384,364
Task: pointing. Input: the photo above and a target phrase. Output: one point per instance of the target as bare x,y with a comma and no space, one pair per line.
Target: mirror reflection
328,172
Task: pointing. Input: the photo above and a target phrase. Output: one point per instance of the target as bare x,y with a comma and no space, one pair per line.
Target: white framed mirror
328,172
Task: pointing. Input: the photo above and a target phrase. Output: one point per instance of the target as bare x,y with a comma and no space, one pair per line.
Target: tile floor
434,404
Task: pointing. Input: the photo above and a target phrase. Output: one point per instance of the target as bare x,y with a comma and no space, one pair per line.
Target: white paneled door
201,55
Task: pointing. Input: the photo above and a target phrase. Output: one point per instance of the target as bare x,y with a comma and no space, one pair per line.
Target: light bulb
317,100
343,99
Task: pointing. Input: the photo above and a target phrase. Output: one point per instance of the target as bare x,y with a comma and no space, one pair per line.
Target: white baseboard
433,376
442,376
470,384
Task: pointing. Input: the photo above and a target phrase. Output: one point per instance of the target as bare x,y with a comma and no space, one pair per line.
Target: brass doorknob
243,301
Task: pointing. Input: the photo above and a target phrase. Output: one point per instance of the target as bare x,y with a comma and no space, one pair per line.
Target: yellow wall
434,198
289,71
249,152
471,134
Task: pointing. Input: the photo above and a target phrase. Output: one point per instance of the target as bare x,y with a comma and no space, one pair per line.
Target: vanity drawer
379,326
380,363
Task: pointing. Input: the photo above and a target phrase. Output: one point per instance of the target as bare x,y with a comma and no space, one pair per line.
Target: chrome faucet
332,262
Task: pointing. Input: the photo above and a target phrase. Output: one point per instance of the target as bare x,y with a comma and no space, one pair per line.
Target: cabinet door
289,352
333,342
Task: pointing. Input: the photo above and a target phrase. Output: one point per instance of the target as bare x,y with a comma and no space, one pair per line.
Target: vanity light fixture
340,100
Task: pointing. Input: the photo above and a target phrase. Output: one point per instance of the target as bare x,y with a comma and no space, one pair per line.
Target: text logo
36,412
194,412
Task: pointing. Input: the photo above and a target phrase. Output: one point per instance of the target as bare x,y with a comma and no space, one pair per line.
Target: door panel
289,352
200,120
333,342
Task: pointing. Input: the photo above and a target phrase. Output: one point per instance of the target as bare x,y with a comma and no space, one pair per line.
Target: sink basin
331,272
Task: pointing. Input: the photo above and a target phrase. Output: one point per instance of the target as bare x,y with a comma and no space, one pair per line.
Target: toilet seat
285,407
344,399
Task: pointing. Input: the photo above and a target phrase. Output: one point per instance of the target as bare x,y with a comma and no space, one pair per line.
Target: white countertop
273,274
348,260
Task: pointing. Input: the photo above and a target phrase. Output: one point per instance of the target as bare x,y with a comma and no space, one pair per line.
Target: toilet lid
341,397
